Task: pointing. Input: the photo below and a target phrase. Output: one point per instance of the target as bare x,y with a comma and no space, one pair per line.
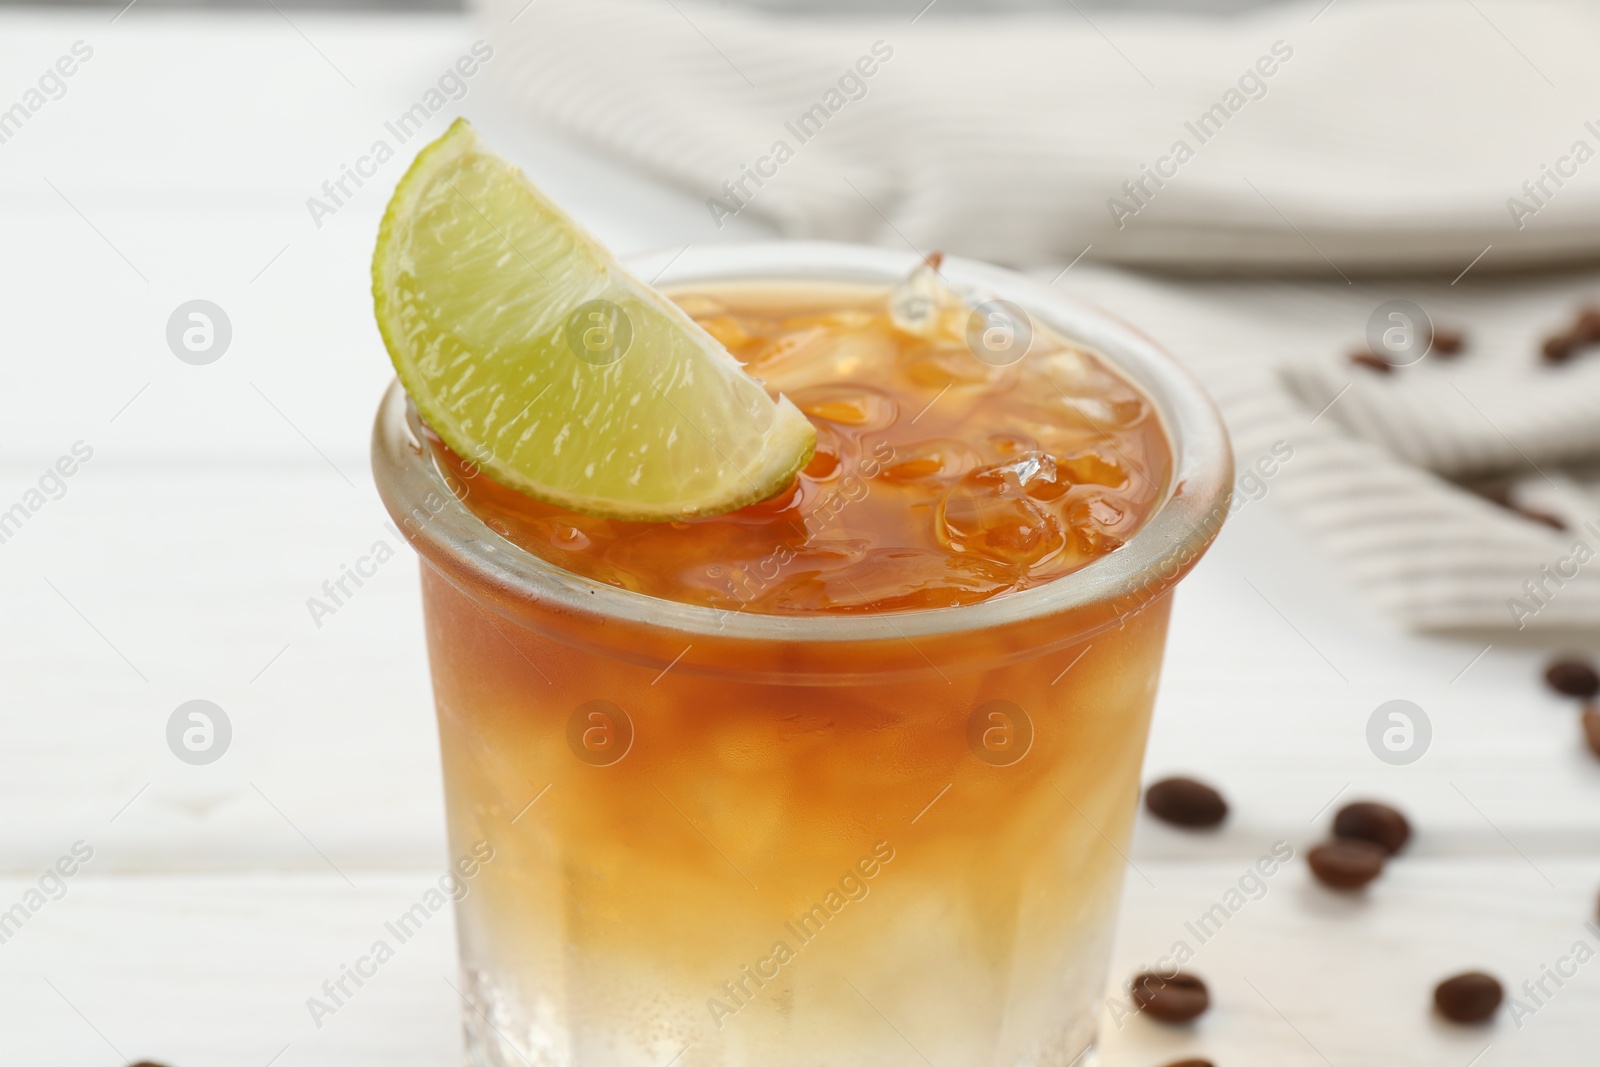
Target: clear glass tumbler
773,841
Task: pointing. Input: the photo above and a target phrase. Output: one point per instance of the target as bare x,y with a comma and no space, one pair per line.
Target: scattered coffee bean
1494,492
1448,342
146,1063
1372,361
1171,1000
1468,998
1574,677
1191,1063
1346,864
1591,728
1584,331
1499,493
1559,348
1375,823
1555,522
1185,802
1587,329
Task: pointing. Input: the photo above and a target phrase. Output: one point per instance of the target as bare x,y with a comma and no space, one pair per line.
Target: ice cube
993,517
1075,372
1099,520
934,460
1032,472
772,354
896,579
1090,467
731,333
1006,445
859,407
918,304
1107,412
954,364
814,355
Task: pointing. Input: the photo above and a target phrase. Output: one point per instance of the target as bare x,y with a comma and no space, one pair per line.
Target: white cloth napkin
1387,134
1342,139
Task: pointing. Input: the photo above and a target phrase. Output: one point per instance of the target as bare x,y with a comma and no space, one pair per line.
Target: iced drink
843,777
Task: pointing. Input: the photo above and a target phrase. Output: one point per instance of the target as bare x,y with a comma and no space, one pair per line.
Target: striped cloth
1370,451
1377,137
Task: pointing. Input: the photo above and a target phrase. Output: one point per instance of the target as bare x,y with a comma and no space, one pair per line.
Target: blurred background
1375,246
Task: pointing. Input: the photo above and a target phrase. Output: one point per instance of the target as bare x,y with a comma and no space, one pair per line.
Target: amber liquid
939,478
731,858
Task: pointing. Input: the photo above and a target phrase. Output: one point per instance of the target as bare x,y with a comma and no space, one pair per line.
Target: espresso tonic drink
841,776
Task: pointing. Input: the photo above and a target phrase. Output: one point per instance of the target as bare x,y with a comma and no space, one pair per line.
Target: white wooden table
219,498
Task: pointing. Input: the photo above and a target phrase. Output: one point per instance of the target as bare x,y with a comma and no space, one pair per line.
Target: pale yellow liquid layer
620,903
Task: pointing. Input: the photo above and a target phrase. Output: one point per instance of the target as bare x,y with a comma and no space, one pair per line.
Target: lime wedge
535,355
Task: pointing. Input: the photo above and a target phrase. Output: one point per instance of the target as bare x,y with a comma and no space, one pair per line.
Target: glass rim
1195,504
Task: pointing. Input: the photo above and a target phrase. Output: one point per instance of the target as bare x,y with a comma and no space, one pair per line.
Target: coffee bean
1346,864
1559,348
1369,821
1171,1000
1448,342
1587,328
1555,522
1500,493
1372,361
1468,998
146,1063
1591,728
1185,802
1191,1063
1574,677
1494,492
